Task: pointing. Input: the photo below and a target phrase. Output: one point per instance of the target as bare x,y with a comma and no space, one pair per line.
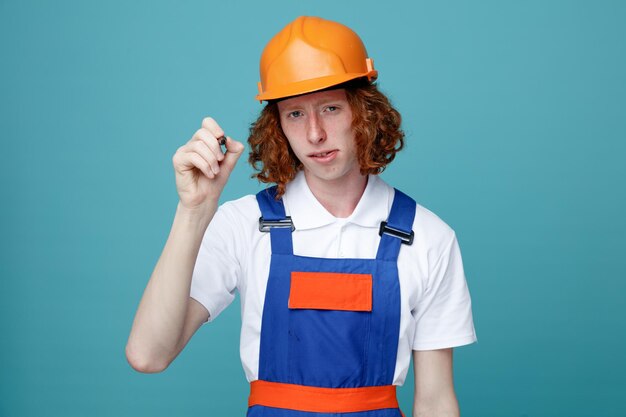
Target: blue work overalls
320,361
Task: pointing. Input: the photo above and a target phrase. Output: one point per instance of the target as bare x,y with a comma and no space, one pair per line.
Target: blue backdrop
516,129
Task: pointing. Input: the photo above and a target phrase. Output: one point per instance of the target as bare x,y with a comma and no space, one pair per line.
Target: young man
342,278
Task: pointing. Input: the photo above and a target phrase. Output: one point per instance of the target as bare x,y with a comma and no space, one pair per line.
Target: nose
315,130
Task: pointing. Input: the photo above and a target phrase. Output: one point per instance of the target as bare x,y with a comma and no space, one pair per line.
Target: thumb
234,150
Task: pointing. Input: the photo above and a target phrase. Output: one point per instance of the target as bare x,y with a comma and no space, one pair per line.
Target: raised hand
201,168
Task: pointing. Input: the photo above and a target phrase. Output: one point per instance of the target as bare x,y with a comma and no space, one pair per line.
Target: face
318,127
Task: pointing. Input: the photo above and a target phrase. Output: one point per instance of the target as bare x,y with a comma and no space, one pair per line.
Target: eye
331,108
294,114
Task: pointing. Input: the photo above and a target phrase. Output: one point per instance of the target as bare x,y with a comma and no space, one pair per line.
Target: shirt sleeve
217,269
443,315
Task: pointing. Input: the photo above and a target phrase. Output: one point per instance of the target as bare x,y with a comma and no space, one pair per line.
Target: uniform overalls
329,332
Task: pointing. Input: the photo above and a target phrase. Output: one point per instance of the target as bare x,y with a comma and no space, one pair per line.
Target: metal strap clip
266,225
406,238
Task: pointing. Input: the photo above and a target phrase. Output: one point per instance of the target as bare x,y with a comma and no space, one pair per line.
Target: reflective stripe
321,400
331,291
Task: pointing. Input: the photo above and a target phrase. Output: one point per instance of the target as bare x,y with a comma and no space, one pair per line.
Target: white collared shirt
235,256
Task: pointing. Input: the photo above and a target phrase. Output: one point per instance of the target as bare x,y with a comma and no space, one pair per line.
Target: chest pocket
330,291
329,325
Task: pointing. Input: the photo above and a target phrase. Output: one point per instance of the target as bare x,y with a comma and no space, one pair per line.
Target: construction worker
342,278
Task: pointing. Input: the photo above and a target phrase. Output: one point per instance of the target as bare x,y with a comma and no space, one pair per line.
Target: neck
341,197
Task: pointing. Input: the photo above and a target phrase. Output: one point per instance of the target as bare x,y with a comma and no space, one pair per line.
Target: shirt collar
307,213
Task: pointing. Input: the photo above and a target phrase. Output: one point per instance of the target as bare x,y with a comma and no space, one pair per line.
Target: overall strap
274,221
397,229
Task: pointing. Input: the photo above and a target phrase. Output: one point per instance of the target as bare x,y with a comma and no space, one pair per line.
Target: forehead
315,98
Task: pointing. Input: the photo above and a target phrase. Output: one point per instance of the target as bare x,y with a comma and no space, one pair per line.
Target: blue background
516,126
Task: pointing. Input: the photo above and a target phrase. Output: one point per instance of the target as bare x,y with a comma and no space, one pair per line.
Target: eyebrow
318,103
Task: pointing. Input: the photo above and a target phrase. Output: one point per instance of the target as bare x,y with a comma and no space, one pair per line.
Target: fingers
210,133
204,152
233,146
210,141
207,154
205,144
196,155
212,127
234,150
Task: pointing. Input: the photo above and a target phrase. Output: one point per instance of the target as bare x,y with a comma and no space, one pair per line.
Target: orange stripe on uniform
331,291
321,400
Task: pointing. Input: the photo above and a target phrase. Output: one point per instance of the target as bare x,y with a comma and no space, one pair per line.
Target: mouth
323,154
